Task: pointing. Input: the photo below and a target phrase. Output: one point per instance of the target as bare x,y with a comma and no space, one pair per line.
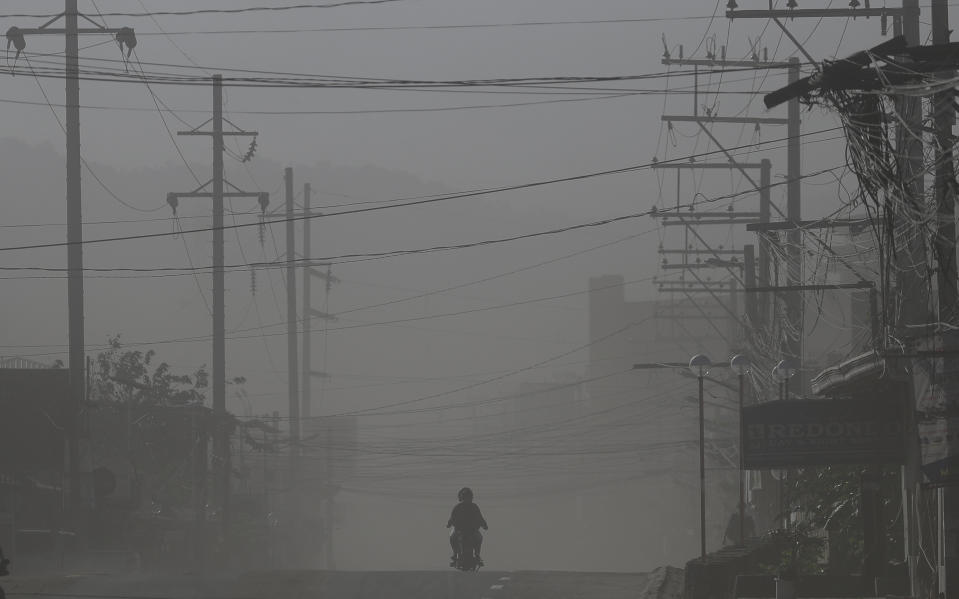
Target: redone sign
818,432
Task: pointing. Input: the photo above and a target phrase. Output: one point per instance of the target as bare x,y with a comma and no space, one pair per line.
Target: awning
850,375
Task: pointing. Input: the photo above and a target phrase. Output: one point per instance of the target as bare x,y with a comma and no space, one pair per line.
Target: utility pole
291,357
199,484
692,219
794,303
794,239
909,255
309,425
307,399
944,117
221,438
71,31
909,148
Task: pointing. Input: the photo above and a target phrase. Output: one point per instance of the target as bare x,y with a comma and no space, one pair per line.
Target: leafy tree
129,377
792,552
147,415
829,498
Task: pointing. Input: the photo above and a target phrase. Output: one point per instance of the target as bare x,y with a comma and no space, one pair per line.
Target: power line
473,193
210,11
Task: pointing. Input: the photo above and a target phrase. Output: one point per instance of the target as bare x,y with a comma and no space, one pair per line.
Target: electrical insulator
173,201
264,200
791,4
126,37
16,38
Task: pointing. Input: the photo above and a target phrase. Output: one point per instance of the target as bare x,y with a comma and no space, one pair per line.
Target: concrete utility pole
794,188
307,424
221,438
909,148
690,220
944,116
71,31
794,239
291,318
307,399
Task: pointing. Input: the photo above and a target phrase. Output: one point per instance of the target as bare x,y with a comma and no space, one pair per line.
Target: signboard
33,419
936,386
780,434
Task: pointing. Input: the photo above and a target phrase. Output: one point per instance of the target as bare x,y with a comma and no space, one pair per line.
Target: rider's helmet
465,494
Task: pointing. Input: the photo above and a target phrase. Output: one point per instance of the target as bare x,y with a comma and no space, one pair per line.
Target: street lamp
699,366
784,370
740,365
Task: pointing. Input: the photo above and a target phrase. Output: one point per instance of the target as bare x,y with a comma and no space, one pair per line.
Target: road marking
505,578
496,587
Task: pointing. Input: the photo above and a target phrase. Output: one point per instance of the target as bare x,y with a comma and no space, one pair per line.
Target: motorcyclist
466,519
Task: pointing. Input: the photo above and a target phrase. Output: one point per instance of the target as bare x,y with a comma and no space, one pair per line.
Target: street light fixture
699,366
740,364
784,370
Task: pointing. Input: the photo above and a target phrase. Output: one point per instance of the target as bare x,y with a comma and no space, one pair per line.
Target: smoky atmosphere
368,299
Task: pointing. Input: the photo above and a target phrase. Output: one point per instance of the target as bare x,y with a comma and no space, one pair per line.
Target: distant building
34,428
648,421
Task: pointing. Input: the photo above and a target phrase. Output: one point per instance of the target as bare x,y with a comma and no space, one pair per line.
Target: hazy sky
374,145
458,148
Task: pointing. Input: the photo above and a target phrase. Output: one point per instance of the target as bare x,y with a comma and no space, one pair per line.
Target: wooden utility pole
72,31
221,437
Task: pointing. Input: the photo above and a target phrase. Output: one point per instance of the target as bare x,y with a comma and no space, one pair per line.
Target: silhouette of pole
75,244
291,351
306,408
72,31
699,365
221,439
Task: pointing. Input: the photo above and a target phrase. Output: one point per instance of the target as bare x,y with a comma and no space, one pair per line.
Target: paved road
310,584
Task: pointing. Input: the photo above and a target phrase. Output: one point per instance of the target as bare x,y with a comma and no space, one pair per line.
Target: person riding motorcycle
466,519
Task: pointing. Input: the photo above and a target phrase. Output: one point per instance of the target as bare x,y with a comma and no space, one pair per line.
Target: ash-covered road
311,584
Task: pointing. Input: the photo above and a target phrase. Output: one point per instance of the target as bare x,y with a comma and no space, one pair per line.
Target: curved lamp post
699,366
740,364
784,370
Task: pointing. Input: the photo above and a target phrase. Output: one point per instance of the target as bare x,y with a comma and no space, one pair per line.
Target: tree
829,497
151,418
129,377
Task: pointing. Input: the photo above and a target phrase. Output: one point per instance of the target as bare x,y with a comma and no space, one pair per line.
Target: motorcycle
466,560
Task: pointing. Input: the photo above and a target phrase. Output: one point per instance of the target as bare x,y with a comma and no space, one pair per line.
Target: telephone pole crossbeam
676,118
694,215
710,62
693,221
817,13
709,165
